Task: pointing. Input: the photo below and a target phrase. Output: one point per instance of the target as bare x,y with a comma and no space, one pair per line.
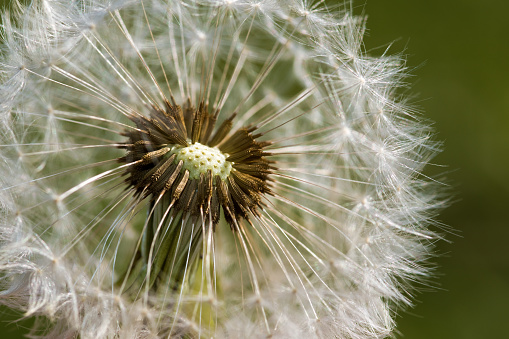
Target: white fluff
336,247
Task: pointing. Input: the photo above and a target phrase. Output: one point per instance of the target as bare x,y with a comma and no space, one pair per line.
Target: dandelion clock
207,169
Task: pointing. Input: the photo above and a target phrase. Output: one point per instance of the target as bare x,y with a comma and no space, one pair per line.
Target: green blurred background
460,52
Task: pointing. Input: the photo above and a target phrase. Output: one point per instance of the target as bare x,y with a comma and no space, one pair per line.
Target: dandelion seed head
202,169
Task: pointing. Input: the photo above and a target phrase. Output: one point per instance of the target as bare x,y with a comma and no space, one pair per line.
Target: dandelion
207,169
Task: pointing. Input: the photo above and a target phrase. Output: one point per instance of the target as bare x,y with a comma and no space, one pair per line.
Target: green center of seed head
198,158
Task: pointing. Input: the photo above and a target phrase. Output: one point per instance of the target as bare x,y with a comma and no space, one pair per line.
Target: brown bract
155,171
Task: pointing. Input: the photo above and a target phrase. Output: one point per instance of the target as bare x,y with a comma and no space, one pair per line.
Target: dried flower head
207,169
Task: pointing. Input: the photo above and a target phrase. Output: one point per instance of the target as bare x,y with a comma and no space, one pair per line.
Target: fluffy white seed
333,250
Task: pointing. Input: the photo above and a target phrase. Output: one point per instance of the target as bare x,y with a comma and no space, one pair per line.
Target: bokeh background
459,53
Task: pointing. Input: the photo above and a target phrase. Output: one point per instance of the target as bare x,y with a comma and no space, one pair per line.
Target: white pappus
208,169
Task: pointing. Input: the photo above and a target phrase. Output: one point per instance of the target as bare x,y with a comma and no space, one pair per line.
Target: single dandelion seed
207,169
